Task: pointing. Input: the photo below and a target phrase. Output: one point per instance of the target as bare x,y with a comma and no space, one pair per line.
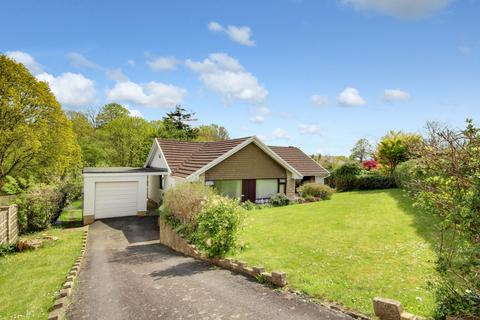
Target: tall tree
177,124
110,112
36,137
212,132
362,150
396,147
128,140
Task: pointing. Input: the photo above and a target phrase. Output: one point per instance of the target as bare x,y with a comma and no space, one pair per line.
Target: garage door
115,199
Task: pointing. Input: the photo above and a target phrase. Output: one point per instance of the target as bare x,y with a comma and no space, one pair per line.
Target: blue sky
315,74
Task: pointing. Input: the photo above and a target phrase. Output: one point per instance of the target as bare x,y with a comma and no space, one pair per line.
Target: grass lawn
349,249
29,280
72,214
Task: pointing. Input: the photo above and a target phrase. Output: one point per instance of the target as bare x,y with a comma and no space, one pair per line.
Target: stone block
258,270
68,285
56,315
408,316
387,309
88,219
279,278
65,293
59,303
266,276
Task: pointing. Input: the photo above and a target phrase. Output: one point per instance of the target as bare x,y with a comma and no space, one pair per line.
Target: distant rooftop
120,170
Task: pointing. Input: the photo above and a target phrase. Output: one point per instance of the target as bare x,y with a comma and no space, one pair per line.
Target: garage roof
121,170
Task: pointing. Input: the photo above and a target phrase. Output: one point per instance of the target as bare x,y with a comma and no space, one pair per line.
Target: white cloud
309,129
242,35
131,62
162,63
116,74
71,89
262,137
134,112
400,8
79,61
227,77
319,100
280,133
151,94
392,95
26,59
350,97
258,119
465,50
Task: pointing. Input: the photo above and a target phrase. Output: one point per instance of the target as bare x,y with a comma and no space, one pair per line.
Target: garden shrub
248,205
344,176
372,181
218,224
279,200
404,174
184,201
316,190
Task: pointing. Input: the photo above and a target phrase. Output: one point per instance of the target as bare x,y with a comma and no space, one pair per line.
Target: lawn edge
63,300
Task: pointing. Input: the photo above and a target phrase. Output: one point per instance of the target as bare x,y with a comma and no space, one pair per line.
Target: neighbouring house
245,168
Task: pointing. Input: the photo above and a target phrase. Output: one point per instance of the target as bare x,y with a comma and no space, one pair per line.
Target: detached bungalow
245,168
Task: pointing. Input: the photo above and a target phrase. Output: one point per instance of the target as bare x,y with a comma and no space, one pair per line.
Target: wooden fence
8,224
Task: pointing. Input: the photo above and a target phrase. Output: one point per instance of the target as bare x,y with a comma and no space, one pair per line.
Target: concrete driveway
129,275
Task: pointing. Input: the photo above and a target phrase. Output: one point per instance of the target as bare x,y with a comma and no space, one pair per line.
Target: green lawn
29,280
72,214
349,249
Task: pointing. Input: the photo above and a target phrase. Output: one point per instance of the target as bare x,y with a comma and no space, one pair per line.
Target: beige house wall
249,163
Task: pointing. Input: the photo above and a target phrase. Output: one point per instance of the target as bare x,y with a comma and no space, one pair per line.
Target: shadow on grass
425,224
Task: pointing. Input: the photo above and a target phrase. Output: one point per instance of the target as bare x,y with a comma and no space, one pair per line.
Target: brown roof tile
186,157
300,161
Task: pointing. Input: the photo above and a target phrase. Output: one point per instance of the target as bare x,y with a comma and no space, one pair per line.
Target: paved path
128,275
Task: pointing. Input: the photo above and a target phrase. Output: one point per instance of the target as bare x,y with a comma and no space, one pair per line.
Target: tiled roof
300,161
186,157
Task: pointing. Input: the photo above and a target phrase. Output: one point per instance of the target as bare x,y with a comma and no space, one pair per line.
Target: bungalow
245,168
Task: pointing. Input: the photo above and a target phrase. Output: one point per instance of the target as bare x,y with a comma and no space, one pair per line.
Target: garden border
63,298
173,240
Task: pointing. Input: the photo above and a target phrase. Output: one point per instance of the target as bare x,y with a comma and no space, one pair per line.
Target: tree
212,132
36,137
127,140
110,112
177,125
446,184
396,147
361,150
93,150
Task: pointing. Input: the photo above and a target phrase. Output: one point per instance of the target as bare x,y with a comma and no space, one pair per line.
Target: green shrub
38,207
248,205
404,174
372,181
218,224
279,200
6,249
316,190
184,201
343,177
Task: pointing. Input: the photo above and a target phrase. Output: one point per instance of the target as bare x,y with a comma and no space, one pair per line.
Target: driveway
129,275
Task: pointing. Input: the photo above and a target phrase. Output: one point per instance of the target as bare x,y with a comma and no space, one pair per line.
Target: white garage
115,192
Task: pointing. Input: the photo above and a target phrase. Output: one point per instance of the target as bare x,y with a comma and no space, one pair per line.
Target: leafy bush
279,200
184,201
404,174
217,225
372,181
370,164
248,205
316,190
6,249
343,177
38,207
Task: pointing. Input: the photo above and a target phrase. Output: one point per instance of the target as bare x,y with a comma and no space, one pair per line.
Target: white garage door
115,199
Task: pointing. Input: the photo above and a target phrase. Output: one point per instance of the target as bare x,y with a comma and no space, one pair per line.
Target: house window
282,186
230,188
266,188
160,182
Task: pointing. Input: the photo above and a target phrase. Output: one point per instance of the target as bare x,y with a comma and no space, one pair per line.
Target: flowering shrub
218,224
316,190
371,164
279,200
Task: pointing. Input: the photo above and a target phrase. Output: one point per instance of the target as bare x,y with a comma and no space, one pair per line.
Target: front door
249,190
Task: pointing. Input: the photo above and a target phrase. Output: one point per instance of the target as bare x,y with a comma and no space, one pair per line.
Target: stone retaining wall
170,238
8,224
